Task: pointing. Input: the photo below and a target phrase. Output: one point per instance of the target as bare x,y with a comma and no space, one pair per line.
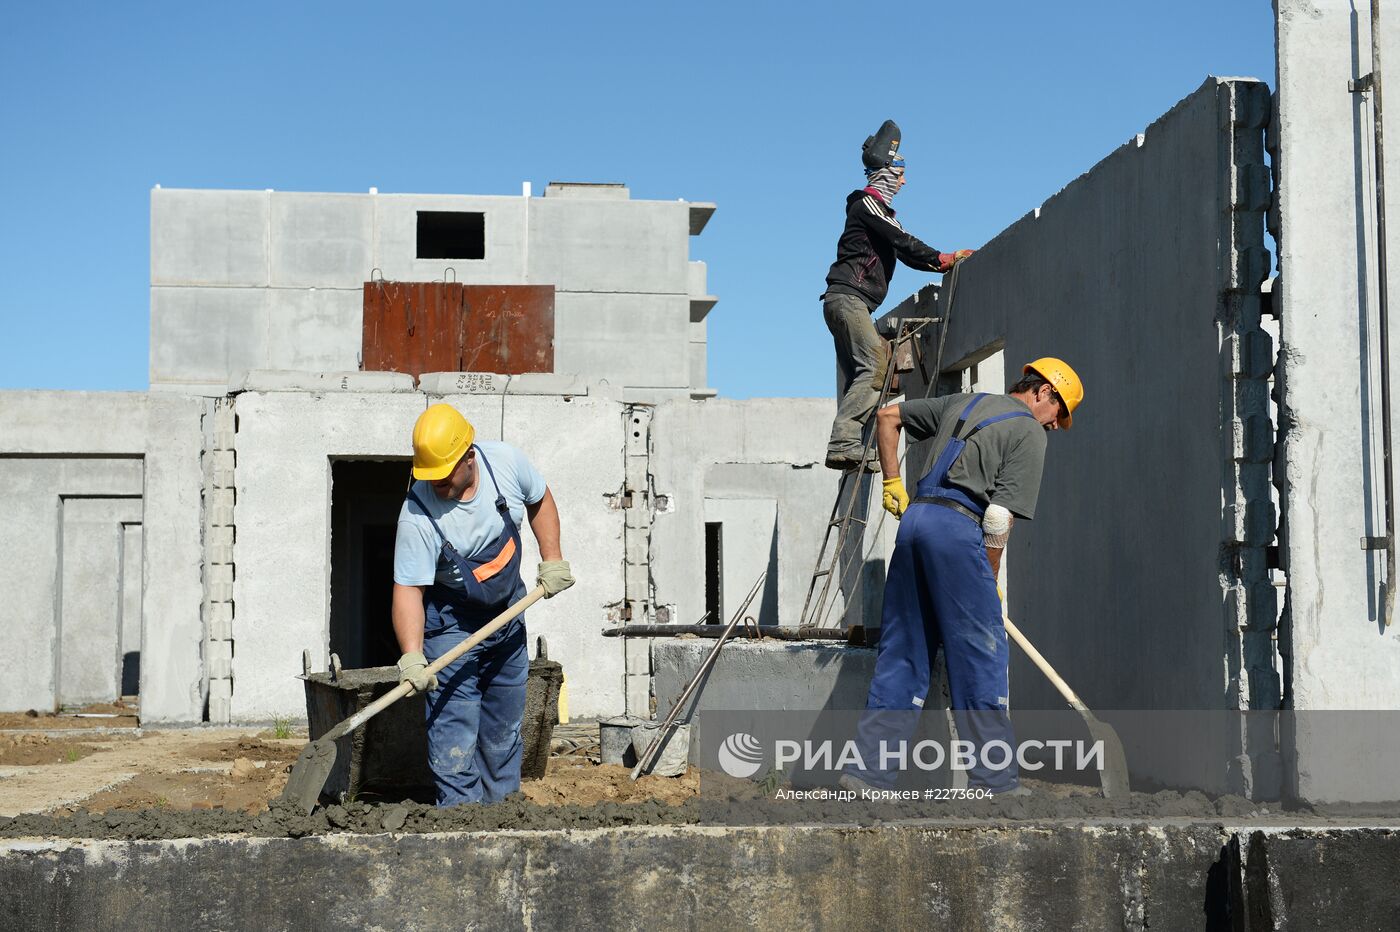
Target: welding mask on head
882,149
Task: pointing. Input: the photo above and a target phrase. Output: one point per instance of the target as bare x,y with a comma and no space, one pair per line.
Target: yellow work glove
554,576
896,499
413,670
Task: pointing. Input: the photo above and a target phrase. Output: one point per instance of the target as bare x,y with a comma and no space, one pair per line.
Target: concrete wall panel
209,237
634,246
624,339
396,239
577,445
1124,274
760,449
172,630
30,544
204,334
91,596
321,240
315,330
1343,657
284,447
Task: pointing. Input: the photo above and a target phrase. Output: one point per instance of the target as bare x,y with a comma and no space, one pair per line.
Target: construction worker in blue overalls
457,566
942,584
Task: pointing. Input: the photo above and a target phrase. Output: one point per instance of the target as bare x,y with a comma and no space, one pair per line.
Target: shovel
313,767
1114,775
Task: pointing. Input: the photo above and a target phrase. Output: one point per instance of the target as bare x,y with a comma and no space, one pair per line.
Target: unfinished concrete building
1196,549
250,497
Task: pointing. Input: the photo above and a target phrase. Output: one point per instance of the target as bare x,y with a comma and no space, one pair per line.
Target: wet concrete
363,817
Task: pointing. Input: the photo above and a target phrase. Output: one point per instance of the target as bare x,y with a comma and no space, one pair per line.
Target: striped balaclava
885,180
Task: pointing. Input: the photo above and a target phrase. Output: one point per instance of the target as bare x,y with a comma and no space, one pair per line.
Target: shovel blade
309,776
1114,775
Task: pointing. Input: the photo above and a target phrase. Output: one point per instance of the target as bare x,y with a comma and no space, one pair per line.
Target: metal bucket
388,757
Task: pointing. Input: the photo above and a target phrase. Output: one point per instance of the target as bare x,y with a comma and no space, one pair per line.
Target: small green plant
771,781
281,728
162,802
71,755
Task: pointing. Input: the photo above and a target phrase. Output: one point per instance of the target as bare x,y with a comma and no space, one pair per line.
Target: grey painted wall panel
1118,579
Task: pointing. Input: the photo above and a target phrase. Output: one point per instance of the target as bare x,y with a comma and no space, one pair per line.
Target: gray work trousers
861,360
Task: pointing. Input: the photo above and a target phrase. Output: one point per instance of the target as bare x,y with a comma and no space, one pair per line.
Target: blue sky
760,107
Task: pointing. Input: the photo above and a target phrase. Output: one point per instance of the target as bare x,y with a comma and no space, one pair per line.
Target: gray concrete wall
760,451
285,444
1340,654
1135,274
1120,876
58,448
245,280
90,617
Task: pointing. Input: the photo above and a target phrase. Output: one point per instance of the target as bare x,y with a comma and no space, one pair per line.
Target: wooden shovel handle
404,688
1044,664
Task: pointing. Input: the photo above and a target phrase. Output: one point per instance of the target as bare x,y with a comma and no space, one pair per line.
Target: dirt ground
63,765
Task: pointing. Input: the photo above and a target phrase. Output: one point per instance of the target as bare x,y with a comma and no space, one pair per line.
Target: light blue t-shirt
470,525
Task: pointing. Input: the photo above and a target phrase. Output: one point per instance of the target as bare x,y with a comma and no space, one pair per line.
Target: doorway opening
366,496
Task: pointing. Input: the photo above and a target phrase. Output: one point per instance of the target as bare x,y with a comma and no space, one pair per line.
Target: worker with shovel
456,566
942,583
857,283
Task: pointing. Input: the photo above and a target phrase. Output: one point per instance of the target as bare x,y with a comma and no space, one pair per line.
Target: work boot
846,462
855,784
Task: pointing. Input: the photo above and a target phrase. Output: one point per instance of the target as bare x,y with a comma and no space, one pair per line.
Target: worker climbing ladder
855,484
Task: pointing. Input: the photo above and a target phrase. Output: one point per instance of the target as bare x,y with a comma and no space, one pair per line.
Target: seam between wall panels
639,588
1247,365
219,461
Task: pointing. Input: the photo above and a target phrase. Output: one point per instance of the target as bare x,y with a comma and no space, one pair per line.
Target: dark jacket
868,246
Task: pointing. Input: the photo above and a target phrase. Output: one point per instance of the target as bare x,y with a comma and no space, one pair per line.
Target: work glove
413,670
895,499
946,260
554,576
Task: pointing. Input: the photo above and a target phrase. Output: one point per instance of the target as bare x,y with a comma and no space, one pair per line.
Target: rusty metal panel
419,327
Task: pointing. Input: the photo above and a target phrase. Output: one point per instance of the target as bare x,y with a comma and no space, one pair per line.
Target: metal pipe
1384,314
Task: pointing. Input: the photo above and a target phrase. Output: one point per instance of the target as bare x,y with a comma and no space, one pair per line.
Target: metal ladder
854,481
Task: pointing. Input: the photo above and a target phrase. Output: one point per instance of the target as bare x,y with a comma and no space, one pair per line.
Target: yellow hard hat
1065,382
441,437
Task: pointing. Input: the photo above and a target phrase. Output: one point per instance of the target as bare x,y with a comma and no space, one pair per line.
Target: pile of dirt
246,788
37,750
97,715
579,781
247,748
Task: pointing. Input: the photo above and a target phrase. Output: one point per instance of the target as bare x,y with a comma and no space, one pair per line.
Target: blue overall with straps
474,715
940,591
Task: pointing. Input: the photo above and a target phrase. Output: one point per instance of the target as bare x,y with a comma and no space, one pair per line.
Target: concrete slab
90,597
201,334
281,380
494,383
1120,875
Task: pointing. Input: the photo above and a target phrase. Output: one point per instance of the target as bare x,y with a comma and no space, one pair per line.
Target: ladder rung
820,573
